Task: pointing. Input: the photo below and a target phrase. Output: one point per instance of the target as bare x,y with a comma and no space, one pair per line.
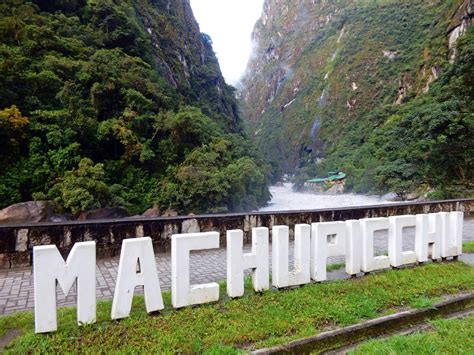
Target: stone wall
17,241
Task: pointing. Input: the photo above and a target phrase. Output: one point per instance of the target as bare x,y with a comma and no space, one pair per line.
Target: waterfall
315,127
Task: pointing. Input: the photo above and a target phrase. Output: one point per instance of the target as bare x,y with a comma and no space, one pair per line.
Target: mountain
379,89
119,103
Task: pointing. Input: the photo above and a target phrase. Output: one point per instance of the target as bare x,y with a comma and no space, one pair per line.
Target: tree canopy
89,117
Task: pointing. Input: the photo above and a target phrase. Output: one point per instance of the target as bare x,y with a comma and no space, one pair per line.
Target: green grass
253,321
454,336
336,266
468,247
424,302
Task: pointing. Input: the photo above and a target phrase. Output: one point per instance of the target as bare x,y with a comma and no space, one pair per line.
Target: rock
170,213
337,188
4,261
21,240
460,21
103,213
169,230
139,232
152,212
391,196
190,226
58,218
404,86
27,212
389,54
412,196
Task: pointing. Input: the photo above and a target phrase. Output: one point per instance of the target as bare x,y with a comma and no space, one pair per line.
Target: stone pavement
16,285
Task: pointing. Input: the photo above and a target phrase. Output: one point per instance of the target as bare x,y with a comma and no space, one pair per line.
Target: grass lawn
468,247
455,336
336,266
253,321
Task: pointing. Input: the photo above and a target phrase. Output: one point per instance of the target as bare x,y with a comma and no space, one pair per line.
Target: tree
12,132
81,189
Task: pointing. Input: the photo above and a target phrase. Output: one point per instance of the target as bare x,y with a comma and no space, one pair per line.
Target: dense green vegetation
119,103
357,87
453,336
253,321
427,143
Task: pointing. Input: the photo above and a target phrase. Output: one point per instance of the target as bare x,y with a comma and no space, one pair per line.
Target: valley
381,90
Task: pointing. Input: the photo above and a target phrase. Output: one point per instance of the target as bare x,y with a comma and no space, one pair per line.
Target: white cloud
230,24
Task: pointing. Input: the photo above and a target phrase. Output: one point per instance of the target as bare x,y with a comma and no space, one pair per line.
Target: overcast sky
230,24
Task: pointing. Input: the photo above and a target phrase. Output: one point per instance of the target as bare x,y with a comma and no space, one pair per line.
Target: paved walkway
16,285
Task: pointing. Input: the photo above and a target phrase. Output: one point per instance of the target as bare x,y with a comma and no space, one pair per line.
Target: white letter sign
182,294
397,256
428,237
456,219
353,247
437,235
452,233
281,277
327,239
49,266
257,260
135,252
368,228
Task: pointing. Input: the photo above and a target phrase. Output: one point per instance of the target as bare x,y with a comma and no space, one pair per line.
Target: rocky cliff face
460,21
166,35
284,31
322,68
185,56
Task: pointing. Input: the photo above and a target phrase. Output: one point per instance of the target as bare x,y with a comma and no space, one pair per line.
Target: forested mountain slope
380,89
119,103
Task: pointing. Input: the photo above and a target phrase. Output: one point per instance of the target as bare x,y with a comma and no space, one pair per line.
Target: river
285,199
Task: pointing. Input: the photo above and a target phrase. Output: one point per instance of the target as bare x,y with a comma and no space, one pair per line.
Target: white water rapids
285,199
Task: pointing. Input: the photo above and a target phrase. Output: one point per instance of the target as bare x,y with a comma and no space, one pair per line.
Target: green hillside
119,103
371,88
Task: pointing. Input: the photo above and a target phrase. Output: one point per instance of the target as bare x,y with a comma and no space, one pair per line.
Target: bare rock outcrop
152,212
170,213
27,212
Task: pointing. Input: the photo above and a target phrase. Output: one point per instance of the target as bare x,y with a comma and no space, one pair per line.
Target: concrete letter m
49,267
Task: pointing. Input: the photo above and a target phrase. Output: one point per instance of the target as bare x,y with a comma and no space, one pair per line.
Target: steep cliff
329,79
106,103
185,57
